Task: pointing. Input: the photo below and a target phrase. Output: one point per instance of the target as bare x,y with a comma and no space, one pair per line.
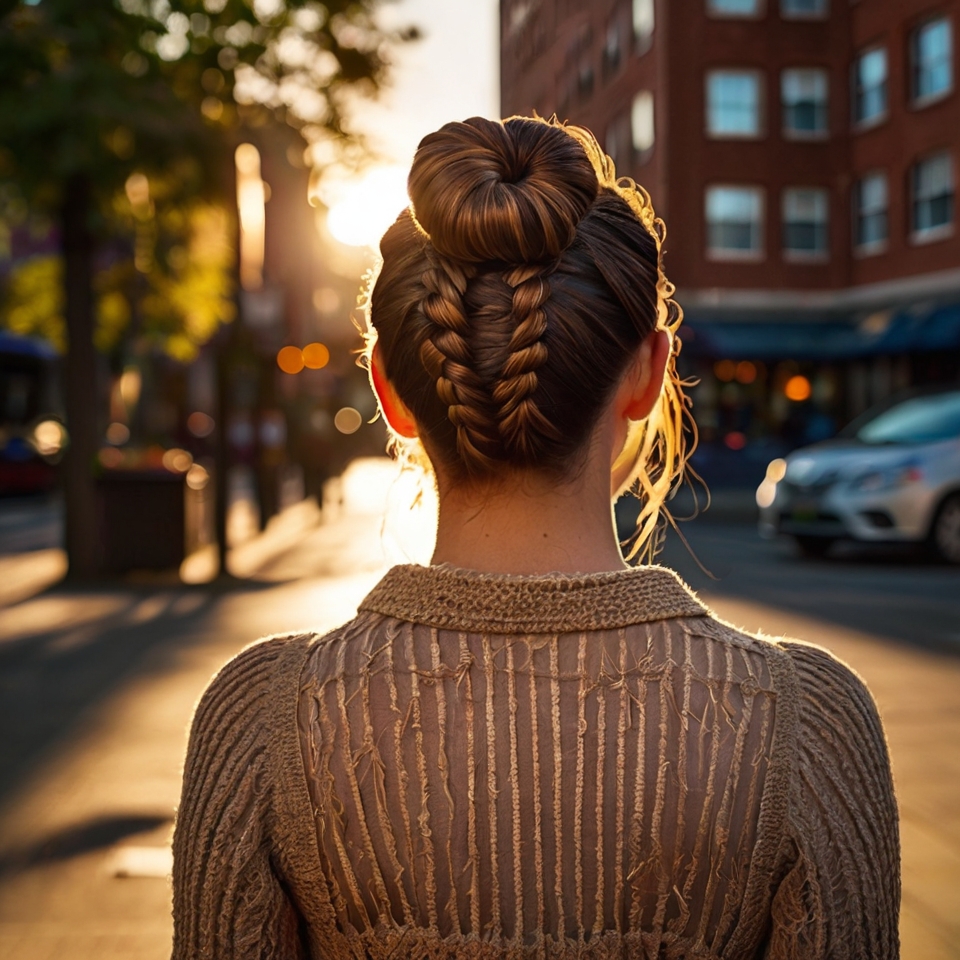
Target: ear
395,411
643,384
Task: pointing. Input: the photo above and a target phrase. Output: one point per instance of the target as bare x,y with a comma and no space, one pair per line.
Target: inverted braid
523,425
446,355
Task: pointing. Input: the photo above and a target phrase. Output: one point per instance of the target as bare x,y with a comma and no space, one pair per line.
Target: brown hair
514,292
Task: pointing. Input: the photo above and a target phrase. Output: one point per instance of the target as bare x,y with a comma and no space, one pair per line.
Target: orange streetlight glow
724,370
290,359
315,356
797,389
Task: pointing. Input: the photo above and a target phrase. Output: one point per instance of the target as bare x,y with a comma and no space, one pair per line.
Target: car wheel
814,546
945,534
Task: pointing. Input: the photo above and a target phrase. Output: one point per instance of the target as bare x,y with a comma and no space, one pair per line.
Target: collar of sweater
453,598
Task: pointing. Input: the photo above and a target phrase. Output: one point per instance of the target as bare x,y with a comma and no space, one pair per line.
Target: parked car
891,475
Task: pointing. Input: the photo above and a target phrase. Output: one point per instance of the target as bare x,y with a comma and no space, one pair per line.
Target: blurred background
191,195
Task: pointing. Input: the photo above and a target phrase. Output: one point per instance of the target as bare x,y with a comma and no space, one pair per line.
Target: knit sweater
492,766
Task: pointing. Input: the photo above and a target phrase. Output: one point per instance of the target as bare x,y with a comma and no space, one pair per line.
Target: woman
528,748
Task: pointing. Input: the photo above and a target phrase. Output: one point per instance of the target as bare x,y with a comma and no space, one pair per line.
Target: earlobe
652,361
395,411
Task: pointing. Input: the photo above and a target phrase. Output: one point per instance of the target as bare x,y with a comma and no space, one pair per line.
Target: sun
366,207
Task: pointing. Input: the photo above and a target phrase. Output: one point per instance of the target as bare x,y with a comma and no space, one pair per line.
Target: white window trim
862,126
805,256
761,133
864,250
932,234
724,255
921,103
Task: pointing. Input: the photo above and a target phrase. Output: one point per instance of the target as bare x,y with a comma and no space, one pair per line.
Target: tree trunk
80,382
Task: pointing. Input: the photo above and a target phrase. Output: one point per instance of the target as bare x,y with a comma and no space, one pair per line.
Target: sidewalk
84,831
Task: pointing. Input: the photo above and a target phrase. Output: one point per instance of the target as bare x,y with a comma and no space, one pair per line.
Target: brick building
804,154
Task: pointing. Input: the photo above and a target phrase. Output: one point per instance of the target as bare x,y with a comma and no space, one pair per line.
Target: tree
94,92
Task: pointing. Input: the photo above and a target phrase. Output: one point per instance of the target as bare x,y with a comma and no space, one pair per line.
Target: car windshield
919,420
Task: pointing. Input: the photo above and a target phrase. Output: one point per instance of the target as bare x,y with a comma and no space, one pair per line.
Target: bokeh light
315,356
348,420
48,437
290,359
176,460
746,372
797,388
725,370
200,424
118,434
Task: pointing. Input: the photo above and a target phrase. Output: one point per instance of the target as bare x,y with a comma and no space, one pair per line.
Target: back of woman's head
513,294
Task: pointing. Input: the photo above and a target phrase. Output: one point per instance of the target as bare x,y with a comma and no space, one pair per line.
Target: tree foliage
109,90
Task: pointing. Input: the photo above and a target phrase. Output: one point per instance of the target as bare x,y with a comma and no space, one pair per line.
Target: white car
891,475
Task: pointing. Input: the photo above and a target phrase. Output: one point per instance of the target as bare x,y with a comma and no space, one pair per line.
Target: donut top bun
511,192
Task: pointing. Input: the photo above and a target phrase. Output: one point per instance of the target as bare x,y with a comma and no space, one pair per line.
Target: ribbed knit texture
493,766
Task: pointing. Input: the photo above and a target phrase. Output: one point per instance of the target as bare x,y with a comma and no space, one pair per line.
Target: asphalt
97,687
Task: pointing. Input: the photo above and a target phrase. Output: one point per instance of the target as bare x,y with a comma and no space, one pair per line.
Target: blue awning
839,338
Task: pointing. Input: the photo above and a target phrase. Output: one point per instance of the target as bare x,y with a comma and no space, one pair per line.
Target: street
97,687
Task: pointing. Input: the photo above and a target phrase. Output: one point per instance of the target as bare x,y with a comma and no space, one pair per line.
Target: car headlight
767,491
890,478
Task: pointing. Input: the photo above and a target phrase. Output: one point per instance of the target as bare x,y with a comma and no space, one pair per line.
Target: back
525,785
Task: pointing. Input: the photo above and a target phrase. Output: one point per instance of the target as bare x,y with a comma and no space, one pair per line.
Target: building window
870,86
734,218
804,9
611,50
931,51
933,190
734,8
733,103
804,98
643,23
641,123
618,143
870,211
806,217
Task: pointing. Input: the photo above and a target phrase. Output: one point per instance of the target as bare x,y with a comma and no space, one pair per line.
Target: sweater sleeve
228,902
840,897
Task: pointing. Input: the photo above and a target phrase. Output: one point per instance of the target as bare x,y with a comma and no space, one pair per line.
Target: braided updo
514,291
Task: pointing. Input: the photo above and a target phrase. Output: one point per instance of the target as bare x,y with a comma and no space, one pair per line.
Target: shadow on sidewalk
68,649
95,834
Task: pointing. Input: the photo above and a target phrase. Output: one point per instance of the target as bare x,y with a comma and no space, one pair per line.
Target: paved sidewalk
109,679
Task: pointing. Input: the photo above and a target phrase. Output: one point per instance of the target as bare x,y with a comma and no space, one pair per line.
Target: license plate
804,511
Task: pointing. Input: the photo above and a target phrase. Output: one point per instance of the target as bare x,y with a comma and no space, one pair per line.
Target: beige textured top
496,766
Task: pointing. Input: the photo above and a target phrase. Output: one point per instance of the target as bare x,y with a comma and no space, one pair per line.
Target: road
97,687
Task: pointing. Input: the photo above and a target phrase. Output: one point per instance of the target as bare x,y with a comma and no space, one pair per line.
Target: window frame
941,231
730,254
793,254
789,133
715,14
760,78
818,16
868,123
920,101
869,248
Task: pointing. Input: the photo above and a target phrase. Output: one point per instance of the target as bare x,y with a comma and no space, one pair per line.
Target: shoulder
831,695
238,703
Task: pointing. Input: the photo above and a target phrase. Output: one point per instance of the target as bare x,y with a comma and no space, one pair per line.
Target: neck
528,525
